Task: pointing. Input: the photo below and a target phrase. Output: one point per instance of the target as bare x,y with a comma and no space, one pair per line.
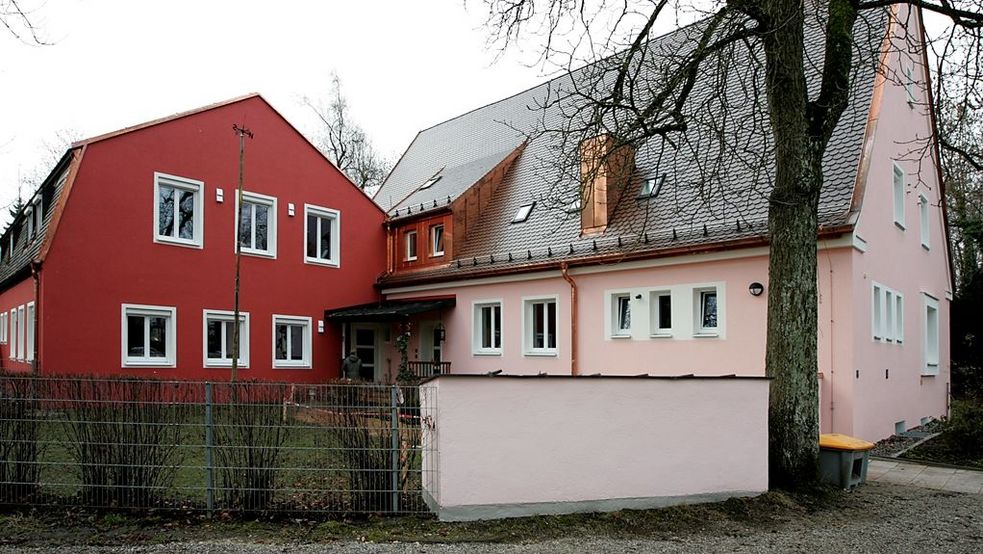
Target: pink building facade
535,296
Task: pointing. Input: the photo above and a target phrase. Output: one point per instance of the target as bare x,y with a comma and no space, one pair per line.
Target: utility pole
243,133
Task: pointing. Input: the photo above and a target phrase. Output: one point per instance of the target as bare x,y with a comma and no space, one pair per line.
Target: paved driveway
929,477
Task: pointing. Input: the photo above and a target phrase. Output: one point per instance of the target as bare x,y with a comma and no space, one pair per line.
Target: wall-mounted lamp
756,288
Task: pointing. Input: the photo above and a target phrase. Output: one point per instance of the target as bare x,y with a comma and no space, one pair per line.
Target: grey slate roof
708,197
15,264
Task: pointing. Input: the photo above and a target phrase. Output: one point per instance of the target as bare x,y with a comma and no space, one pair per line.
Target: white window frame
410,240
225,316
898,194
615,331
13,333
3,328
308,339
523,213
477,349
886,314
21,335
29,331
924,216
170,312
271,225
527,326
930,352
335,217
180,183
699,329
434,253
656,328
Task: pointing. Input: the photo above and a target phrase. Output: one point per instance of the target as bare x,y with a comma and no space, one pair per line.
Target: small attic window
523,213
430,182
651,187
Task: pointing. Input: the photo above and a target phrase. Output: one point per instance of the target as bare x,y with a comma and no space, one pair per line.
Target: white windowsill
226,364
147,363
661,335
540,353
320,262
437,255
258,253
177,242
706,334
492,353
413,259
282,364
620,336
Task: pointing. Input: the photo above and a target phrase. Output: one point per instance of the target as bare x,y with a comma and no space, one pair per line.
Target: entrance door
364,345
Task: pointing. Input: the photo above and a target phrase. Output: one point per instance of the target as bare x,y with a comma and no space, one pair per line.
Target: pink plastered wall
889,376
738,347
503,446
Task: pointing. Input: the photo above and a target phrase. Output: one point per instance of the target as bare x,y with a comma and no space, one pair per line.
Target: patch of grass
737,515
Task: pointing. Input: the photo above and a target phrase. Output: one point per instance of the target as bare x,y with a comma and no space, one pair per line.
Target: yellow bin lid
835,441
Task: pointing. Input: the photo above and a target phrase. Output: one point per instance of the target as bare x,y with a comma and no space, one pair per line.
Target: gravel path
876,518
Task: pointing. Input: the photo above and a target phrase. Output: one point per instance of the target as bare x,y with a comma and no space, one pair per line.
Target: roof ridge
567,72
166,119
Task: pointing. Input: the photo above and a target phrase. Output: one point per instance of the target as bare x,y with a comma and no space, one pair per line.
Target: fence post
394,446
209,446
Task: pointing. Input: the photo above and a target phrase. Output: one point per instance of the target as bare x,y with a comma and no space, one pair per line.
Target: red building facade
124,260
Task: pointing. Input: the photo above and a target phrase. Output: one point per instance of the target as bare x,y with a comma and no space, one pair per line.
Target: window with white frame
899,194
323,232
409,239
540,326
887,314
924,221
706,311
13,334
256,228
178,210
931,337
37,217
29,329
621,315
21,335
3,328
218,339
437,240
661,317
487,335
149,336
291,341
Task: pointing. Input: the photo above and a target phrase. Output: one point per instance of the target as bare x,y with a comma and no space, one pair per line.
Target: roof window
523,213
651,187
430,182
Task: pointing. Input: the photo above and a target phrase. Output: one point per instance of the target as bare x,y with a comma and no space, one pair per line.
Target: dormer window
651,187
523,213
430,182
410,245
437,240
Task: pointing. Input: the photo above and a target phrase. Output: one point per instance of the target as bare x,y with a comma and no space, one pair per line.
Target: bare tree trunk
791,355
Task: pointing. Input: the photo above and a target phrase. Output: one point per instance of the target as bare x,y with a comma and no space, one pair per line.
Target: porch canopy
387,310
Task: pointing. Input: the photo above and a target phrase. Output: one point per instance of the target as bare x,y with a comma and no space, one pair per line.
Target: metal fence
251,448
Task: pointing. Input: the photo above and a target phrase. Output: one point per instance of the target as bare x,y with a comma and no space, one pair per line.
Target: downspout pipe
565,271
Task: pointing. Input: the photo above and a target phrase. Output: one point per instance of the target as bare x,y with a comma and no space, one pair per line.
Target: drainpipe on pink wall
564,270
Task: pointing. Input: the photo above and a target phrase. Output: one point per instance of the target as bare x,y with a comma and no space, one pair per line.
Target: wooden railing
428,369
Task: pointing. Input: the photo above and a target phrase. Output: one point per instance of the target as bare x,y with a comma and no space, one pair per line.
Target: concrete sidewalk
929,477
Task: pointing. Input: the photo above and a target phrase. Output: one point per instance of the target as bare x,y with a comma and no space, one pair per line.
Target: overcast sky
404,66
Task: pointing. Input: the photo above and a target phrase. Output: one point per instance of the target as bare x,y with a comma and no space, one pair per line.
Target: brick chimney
604,174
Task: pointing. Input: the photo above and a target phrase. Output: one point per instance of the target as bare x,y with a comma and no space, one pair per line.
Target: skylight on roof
651,187
430,182
523,213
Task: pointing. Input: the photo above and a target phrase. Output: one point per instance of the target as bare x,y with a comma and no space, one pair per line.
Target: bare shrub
19,450
125,438
249,435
